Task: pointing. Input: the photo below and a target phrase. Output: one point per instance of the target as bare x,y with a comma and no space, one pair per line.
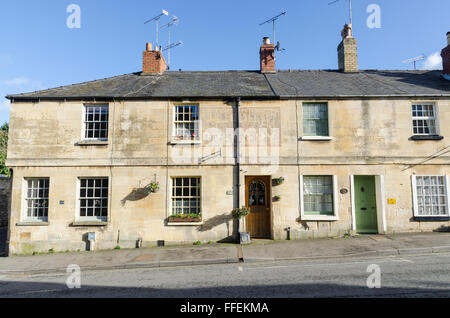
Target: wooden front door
365,205
257,198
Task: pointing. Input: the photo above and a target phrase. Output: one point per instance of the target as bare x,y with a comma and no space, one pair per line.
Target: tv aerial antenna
415,60
156,19
350,14
174,21
273,20
171,46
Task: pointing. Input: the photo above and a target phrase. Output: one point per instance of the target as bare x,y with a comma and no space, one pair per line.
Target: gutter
238,164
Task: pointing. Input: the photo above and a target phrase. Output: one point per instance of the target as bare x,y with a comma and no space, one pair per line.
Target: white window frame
78,216
83,125
25,217
317,138
197,125
415,203
334,217
424,118
171,191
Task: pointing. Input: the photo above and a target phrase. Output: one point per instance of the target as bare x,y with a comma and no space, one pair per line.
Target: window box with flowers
185,218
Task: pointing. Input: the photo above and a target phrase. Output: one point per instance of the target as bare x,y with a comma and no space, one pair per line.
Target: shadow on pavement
14,289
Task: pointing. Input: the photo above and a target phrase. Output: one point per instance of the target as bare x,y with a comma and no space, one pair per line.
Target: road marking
40,291
405,260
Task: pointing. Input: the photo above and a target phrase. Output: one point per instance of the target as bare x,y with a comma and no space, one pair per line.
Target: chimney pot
348,51
446,59
153,61
267,56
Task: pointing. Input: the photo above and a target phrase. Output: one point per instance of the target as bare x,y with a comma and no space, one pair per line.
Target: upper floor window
424,119
186,123
93,199
96,122
430,196
36,199
315,119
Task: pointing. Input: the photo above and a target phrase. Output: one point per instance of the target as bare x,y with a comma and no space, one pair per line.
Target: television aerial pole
349,8
273,20
174,21
170,46
156,19
414,60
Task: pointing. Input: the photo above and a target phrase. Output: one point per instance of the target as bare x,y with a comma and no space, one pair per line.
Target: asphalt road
407,276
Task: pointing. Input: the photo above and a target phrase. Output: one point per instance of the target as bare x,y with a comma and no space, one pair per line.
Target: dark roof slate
247,84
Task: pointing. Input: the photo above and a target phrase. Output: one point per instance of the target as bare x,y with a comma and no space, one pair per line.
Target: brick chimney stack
348,51
153,61
267,56
446,59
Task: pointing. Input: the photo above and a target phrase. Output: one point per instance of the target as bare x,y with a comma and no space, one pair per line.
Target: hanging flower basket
154,186
277,181
276,198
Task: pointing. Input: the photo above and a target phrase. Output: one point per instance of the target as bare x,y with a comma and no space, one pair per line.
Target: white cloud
17,81
433,62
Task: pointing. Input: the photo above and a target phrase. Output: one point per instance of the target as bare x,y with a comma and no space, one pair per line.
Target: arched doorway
257,198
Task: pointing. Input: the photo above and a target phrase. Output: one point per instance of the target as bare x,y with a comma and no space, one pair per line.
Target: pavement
258,251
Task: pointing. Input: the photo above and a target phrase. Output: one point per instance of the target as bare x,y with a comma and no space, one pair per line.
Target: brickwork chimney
446,59
267,56
153,61
348,51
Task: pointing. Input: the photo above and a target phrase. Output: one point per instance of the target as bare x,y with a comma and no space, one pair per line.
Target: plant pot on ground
244,237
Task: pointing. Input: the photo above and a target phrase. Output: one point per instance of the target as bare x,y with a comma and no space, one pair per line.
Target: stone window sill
33,224
432,218
185,142
420,137
89,223
92,143
316,138
319,218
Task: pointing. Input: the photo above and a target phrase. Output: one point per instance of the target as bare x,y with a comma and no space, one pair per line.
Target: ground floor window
93,199
36,199
430,196
186,197
318,195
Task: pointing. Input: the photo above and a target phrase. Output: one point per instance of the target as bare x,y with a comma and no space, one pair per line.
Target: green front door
365,204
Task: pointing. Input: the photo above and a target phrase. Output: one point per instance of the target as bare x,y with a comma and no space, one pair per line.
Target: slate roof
248,84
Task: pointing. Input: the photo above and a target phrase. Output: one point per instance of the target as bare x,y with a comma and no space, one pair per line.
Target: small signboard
392,201
91,236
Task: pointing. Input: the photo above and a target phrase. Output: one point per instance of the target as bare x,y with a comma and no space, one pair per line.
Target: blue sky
39,51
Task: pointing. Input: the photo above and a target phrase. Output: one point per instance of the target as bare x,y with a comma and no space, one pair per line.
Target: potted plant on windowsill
185,218
238,214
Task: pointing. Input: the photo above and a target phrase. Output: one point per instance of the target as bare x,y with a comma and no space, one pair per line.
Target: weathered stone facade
368,137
